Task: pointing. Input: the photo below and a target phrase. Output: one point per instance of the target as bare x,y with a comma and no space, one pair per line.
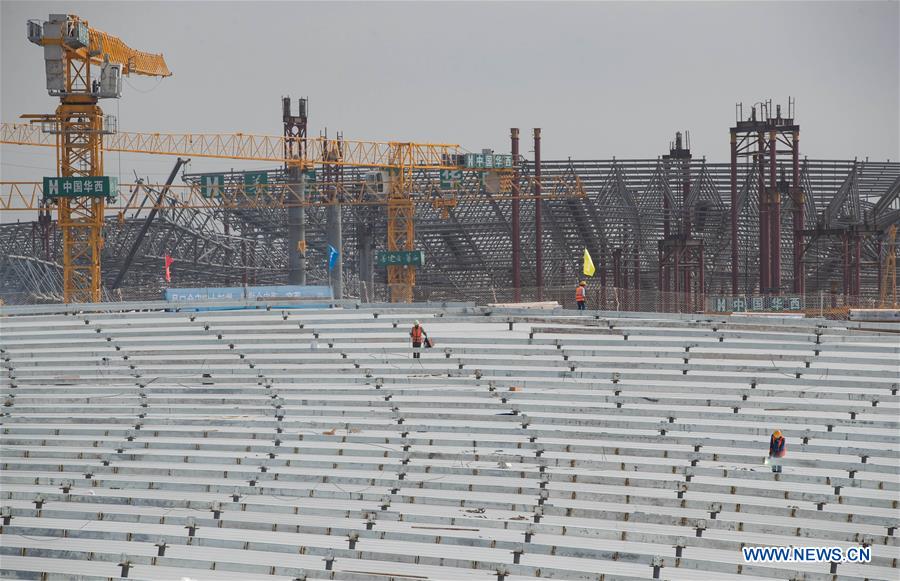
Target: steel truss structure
632,216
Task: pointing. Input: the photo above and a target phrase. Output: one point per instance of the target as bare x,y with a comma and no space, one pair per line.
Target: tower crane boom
253,147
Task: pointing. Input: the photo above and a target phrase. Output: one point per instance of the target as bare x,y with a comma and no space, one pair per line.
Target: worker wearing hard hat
416,335
581,295
776,449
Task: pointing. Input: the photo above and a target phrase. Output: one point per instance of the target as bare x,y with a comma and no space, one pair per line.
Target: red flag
169,261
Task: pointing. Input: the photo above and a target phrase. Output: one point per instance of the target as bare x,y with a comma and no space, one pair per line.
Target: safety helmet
582,283
777,433
416,324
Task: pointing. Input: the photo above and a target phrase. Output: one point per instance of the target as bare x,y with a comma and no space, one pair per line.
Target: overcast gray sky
602,79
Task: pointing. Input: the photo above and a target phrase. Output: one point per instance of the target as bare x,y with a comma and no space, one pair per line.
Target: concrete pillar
538,226
334,235
365,251
296,247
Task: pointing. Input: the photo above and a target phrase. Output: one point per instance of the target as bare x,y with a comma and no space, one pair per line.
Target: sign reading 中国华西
488,161
81,186
756,303
401,258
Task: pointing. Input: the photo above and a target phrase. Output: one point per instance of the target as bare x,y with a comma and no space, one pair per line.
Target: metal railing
818,304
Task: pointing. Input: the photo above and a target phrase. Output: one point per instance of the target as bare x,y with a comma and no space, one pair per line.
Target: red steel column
846,248
660,280
617,262
676,259
685,193
857,265
701,288
774,218
660,270
538,227
764,266
798,202
666,211
734,216
516,235
676,290
637,280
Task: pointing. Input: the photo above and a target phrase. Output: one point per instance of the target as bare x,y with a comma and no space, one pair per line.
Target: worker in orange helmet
581,295
416,335
776,448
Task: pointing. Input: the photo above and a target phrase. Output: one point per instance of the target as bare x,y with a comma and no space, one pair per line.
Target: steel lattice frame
468,241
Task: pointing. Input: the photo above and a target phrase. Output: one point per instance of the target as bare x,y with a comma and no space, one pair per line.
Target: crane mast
83,66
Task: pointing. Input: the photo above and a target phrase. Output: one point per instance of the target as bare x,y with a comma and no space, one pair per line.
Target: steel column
735,259
764,256
845,241
857,265
774,218
637,276
538,226
799,285
516,234
617,265
685,194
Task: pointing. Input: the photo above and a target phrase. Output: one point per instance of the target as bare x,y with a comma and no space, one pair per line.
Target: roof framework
469,245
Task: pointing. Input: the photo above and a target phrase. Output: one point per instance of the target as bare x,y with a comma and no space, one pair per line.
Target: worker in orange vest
776,449
581,295
416,335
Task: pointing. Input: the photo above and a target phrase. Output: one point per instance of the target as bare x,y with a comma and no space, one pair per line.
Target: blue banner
332,257
236,293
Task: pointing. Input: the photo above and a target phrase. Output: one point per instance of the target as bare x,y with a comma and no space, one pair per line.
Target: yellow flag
589,269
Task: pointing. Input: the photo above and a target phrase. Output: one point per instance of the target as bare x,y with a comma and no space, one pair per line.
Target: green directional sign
255,182
309,181
488,161
450,178
81,186
212,185
401,258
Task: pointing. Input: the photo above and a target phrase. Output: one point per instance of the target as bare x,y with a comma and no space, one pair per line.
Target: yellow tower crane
83,65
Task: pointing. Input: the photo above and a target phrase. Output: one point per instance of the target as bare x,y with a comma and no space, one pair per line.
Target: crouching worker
417,335
776,449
